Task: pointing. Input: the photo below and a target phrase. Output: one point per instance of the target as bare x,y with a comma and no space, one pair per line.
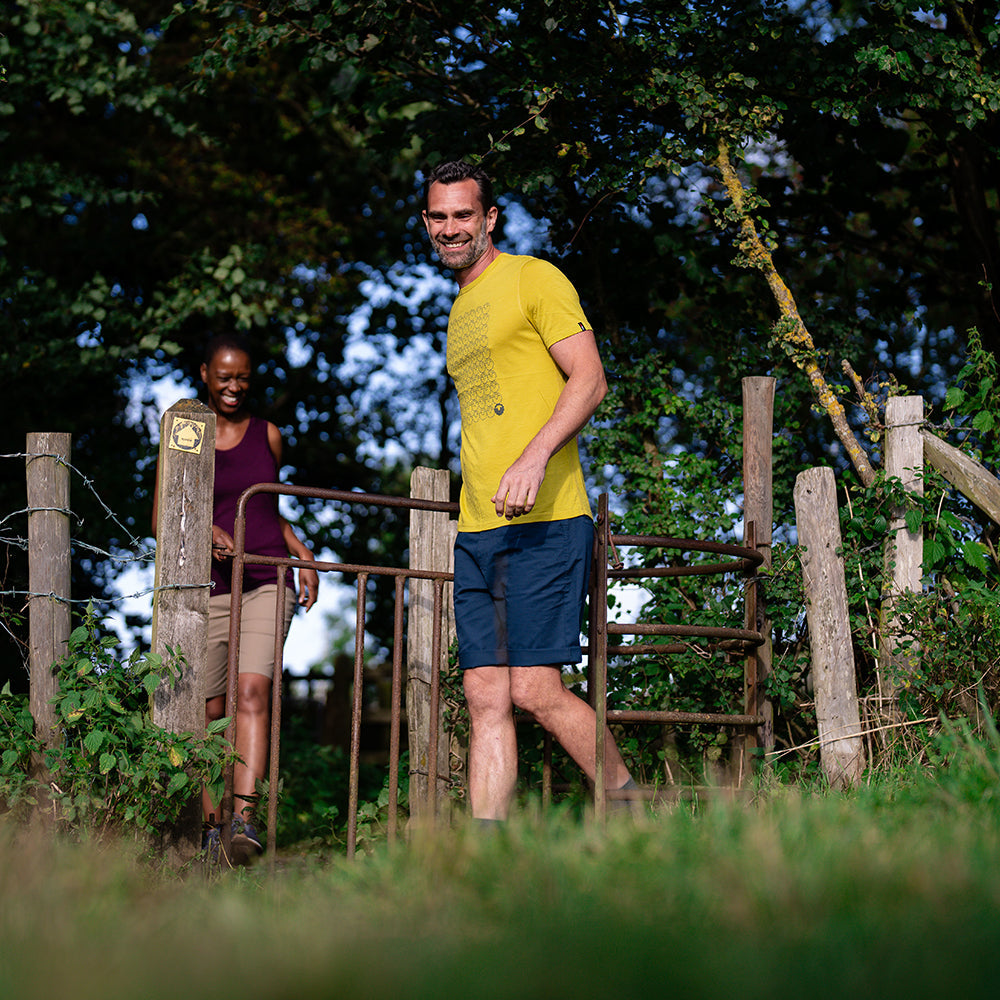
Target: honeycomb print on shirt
475,377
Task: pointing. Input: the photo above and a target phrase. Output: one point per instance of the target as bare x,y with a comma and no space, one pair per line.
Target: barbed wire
107,600
121,557
144,554
139,553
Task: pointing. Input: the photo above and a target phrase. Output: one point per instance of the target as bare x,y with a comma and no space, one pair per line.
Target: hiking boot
245,843
211,843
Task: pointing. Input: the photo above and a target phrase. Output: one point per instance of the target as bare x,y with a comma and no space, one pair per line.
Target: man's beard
465,256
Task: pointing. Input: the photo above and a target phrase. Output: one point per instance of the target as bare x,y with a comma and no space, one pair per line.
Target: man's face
456,223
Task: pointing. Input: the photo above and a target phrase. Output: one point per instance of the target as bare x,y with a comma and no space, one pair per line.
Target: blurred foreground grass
868,895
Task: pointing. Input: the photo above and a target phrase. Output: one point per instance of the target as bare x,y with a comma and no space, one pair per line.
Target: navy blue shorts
520,591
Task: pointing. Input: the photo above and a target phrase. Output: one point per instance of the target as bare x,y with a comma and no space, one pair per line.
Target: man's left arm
585,387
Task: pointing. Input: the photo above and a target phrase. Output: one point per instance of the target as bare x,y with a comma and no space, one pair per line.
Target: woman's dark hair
225,342
453,171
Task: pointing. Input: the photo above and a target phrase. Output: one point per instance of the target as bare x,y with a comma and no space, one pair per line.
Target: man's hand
519,486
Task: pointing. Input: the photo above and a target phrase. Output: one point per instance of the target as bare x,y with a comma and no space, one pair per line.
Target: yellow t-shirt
499,331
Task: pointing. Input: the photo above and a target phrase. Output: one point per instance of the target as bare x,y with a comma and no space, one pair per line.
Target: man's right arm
585,387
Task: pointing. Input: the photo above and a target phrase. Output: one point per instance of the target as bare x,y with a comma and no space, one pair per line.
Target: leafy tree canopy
177,169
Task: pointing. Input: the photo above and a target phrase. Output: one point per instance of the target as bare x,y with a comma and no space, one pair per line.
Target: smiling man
528,375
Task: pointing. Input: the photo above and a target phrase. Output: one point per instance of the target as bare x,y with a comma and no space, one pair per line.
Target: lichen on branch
791,329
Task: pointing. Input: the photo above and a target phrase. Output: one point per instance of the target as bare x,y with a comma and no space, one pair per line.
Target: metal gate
742,642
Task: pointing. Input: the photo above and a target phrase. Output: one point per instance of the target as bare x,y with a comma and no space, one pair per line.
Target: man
529,376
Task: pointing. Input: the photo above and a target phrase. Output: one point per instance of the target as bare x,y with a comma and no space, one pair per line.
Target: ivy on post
186,478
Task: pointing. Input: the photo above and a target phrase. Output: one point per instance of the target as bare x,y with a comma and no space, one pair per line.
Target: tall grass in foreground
890,892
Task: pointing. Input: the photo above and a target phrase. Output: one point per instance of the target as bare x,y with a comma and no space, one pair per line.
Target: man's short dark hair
453,171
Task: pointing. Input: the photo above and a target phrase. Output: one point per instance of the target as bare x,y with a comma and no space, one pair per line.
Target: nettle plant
111,767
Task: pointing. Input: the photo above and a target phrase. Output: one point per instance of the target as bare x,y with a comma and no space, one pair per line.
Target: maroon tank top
237,468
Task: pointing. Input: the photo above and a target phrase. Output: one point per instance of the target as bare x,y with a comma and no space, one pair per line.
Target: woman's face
227,378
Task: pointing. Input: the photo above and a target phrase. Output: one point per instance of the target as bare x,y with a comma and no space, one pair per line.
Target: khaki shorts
256,635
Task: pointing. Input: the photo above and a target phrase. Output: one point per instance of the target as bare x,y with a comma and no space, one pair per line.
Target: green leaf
983,421
94,740
178,781
934,552
107,762
972,553
914,520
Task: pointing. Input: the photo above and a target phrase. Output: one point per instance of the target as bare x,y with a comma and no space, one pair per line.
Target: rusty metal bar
233,672
434,708
690,569
695,631
275,742
359,664
695,718
394,708
598,662
741,552
345,496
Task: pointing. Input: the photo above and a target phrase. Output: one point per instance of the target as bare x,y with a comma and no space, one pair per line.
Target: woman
247,451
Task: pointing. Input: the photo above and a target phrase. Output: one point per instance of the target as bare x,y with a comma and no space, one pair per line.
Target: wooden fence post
47,470
432,536
183,575
842,753
969,477
758,509
904,460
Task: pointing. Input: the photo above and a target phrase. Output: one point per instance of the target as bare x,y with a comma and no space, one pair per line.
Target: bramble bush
110,767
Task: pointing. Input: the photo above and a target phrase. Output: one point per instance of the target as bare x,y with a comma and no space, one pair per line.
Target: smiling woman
247,451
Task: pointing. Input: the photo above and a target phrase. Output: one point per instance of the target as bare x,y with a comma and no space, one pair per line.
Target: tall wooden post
904,460
48,571
432,536
758,509
842,753
186,478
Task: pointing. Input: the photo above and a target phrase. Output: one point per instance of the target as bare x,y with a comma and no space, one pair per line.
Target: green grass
891,892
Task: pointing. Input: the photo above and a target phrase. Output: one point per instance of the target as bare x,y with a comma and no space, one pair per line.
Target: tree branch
793,331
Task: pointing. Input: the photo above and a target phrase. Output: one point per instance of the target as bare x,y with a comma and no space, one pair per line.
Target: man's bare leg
568,718
492,741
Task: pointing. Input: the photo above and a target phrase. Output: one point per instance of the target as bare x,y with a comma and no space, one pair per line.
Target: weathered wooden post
758,509
47,469
904,460
842,753
183,575
432,536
